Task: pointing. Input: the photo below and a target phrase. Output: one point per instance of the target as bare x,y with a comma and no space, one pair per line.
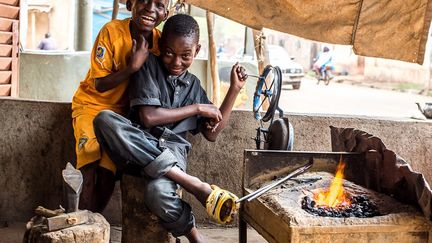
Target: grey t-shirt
152,85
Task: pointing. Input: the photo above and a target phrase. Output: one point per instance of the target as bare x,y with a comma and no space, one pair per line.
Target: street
346,99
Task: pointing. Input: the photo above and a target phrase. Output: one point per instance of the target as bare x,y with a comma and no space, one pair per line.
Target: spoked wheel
268,90
279,135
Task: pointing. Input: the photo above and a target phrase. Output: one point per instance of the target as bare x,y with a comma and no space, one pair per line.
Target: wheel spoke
262,102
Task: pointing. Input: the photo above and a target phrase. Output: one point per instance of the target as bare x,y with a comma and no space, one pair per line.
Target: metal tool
72,185
265,189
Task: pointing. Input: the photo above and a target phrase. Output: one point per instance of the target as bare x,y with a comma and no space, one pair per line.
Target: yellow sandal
214,203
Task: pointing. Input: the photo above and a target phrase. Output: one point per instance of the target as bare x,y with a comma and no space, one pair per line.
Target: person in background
47,43
323,60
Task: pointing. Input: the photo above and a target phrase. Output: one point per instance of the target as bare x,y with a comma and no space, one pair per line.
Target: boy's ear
166,15
198,48
128,5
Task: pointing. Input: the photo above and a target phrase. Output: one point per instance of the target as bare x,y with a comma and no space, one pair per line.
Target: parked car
292,72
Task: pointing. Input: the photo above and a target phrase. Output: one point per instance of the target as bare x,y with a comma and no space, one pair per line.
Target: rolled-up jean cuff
161,164
184,224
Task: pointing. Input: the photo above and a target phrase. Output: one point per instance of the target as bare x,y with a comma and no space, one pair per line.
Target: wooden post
115,9
262,55
213,62
15,60
138,223
361,65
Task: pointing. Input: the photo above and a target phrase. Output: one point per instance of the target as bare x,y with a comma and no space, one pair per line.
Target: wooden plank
5,89
5,37
5,77
5,63
5,50
6,24
10,12
266,222
10,2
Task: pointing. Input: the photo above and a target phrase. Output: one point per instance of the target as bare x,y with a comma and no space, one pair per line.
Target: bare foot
195,236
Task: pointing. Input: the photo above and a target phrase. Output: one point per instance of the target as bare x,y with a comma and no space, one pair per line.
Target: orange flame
335,195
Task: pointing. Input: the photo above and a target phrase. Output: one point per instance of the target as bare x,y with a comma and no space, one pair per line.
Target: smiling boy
166,103
121,48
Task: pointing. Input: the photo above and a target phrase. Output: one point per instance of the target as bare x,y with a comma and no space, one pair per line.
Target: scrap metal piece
72,186
67,220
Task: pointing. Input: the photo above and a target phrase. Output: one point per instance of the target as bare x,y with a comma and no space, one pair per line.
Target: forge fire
336,202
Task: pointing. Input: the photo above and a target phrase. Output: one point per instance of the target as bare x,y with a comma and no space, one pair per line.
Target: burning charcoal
322,212
361,207
313,204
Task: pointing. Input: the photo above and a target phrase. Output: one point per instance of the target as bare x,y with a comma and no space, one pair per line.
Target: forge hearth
287,202
279,217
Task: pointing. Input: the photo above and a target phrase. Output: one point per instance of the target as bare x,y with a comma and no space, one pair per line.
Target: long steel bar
295,173
265,189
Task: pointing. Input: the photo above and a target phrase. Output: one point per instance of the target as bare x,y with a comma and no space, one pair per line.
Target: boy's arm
211,129
151,116
139,55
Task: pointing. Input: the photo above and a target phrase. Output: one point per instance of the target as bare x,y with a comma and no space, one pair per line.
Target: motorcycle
325,74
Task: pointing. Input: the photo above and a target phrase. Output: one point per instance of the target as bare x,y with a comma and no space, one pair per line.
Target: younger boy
167,102
120,49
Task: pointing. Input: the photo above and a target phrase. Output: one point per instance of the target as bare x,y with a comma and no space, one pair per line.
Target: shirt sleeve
102,55
144,87
202,99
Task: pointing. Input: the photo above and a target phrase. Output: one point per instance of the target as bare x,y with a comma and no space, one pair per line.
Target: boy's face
178,53
147,14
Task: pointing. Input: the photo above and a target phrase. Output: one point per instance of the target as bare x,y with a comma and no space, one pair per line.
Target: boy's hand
212,125
139,53
210,111
238,76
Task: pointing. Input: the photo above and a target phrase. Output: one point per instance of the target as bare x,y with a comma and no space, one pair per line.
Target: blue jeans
136,150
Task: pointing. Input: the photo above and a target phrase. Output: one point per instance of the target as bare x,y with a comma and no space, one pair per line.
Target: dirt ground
14,232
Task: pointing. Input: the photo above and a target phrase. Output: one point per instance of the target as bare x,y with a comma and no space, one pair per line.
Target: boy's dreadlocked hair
181,25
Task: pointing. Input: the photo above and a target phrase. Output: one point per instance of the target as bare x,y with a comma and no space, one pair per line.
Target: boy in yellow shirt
120,49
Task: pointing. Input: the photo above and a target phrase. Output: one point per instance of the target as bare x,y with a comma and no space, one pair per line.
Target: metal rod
295,173
255,76
265,189
292,174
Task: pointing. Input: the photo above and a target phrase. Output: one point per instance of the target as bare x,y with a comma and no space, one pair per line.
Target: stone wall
56,75
37,141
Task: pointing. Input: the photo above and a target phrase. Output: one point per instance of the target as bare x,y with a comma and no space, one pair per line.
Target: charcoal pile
361,207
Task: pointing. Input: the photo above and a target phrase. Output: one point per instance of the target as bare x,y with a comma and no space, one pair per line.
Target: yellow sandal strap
216,200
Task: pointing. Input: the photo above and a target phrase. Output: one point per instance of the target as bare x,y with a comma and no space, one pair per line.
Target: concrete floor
13,233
